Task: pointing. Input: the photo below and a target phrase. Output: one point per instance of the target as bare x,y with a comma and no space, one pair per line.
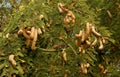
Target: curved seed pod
83,51
87,65
77,36
88,42
26,35
95,32
64,55
33,47
101,67
84,70
105,71
101,45
11,59
83,37
20,31
32,32
103,40
94,42
77,43
80,33
27,42
43,28
39,31
88,28
59,8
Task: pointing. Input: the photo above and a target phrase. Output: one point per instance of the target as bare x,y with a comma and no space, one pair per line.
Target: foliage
56,53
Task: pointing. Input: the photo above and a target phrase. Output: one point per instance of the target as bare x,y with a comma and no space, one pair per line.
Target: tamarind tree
53,38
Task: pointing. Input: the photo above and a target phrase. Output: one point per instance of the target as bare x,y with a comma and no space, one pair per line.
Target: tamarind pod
83,51
43,28
11,59
103,40
109,14
26,35
105,71
20,31
28,28
41,17
88,28
39,31
94,32
101,44
94,42
83,37
28,32
84,70
88,42
32,32
33,47
64,55
77,43
79,35
87,65
27,42
59,8
102,68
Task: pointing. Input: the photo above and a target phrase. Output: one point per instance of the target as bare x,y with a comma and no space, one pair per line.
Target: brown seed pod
103,40
109,14
64,55
88,28
33,47
83,37
27,42
43,29
94,42
87,65
102,68
39,31
60,8
32,32
84,70
26,35
95,32
88,42
101,45
83,51
11,59
20,31
77,43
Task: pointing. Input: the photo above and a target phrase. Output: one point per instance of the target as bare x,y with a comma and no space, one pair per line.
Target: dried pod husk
77,42
101,44
7,35
109,14
41,17
102,68
103,40
95,32
83,37
33,47
70,14
20,31
39,31
26,35
80,49
64,56
27,42
32,32
77,36
11,59
66,20
87,65
83,51
60,8
105,71
94,42
88,30
84,70
88,42
43,29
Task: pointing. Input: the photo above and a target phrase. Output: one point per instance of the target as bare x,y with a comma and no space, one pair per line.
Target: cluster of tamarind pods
83,38
31,34
70,17
84,67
